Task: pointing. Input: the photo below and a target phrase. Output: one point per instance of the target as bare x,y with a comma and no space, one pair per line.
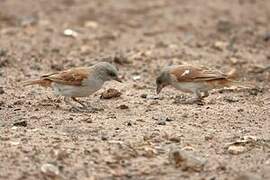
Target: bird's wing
73,76
190,73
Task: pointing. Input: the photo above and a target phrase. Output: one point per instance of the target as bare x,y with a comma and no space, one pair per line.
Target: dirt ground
138,135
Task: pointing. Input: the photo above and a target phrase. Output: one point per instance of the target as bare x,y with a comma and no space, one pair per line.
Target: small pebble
248,176
50,170
233,149
2,90
88,120
15,143
185,115
176,139
169,119
153,97
91,24
123,106
135,78
208,137
224,26
119,58
144,96
20,123
219,45
56,67
186,160
266,36
231,99
240,110
161,123
110,93
255,91
104,138
28,20
162,120
70,32
3,52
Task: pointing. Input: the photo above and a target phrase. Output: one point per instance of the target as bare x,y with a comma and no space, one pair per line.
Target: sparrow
77,82
194,80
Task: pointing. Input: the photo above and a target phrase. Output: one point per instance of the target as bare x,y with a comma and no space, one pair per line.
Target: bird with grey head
195,80
78,82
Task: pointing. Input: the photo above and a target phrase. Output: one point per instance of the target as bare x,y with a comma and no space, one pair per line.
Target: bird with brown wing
78,82
194,80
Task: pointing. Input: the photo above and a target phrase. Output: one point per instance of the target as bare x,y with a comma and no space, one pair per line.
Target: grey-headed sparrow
78,82
190,79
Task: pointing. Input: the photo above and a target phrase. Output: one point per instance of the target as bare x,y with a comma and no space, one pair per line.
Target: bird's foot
193,101
94,109
179,99
197,101
76,109
84,109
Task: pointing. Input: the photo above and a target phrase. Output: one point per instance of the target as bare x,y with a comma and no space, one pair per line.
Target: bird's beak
118,79
159,88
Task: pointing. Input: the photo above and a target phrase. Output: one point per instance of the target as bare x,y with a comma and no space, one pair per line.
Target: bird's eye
112,74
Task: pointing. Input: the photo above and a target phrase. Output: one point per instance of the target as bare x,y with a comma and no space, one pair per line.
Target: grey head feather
164,77
106,71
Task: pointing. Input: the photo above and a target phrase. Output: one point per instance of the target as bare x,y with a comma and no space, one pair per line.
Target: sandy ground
228,136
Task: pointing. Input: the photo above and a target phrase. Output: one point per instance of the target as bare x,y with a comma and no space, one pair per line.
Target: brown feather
189,73
73,76
41,82
219,83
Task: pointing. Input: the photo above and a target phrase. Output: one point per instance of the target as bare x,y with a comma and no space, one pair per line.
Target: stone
110,93
248,176
266,36
50,170
163,123
70,33
91,24
219,45
144,96
224,26
136,77
20,123
230,99
233,149
2,90
186,160
123,106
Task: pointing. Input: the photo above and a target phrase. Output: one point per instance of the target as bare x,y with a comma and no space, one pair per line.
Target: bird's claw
85,110
192,101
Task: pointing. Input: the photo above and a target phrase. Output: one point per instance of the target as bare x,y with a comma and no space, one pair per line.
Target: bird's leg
81,103
72,105
205,94
54,100
57,99
87,107
195,100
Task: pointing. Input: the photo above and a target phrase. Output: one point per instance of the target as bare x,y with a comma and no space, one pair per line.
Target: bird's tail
233,76
41,82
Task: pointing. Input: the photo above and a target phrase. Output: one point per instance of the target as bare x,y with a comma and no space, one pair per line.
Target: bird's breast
75,91
189,87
